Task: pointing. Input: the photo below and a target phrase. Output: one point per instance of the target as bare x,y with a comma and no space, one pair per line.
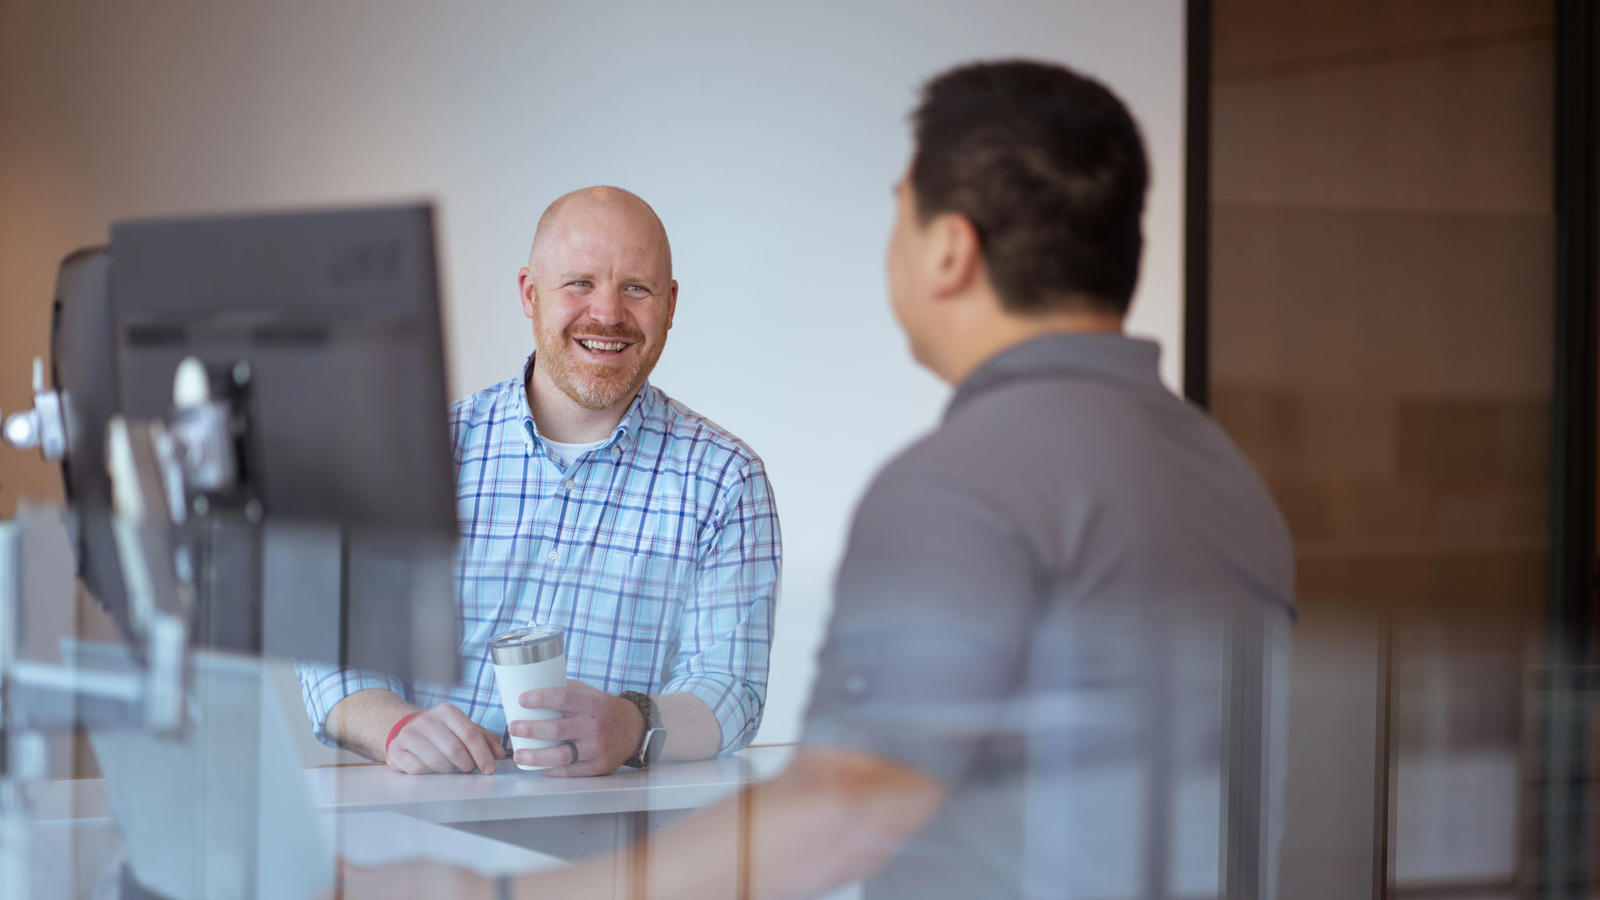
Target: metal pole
15,825
1565,866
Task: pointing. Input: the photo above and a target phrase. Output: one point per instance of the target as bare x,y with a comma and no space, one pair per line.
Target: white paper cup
527,660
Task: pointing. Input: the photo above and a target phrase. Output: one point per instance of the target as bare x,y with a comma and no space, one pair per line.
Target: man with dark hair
1056,658
1050,173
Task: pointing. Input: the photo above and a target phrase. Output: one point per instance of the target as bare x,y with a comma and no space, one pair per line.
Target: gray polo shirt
1031,608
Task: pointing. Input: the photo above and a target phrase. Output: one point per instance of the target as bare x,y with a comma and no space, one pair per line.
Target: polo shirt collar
626,433
1102,357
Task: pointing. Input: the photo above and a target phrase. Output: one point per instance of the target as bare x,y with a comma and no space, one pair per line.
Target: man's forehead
580,247
602,229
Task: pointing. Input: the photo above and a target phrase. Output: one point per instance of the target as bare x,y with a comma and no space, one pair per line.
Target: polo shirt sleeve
933,603
726,631
323,686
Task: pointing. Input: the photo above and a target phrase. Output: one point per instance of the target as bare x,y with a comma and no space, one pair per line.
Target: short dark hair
1049,167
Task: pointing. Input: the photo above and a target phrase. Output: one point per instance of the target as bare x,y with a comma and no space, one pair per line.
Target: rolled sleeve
323,686
932,607
726,638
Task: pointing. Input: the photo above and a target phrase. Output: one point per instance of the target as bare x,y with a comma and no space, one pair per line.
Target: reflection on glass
1380,309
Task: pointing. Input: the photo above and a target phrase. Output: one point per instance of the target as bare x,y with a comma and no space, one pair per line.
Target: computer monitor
83,369
335,317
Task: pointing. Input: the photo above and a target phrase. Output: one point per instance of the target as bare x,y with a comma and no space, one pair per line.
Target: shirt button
569,485
552,554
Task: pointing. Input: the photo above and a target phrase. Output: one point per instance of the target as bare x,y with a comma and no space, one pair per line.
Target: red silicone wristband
395,731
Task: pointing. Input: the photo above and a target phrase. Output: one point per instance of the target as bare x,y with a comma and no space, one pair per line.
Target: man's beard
593,386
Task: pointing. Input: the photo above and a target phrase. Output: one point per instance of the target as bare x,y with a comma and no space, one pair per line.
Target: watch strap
649,749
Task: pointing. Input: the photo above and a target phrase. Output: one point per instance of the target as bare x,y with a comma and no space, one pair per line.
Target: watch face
655,740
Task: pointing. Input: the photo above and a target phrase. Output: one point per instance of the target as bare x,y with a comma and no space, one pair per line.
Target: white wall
766,135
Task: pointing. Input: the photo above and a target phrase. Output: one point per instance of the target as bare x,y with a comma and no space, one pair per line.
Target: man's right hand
443,739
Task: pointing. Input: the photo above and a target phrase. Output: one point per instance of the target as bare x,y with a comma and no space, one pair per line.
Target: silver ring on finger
574,748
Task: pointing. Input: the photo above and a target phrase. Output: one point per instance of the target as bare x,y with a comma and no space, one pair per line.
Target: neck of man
985,330
562,419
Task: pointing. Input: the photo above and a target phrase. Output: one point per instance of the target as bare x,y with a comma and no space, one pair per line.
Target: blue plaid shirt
658,551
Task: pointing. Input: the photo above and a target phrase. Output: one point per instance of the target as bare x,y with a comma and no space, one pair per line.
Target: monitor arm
163,475
43,426
158,476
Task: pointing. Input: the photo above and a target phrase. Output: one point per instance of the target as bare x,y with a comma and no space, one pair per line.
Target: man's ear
956,254
526,286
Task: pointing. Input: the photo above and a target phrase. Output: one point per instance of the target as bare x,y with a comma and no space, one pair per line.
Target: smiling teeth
603,345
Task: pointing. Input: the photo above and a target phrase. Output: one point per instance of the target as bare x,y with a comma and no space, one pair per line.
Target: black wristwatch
655,736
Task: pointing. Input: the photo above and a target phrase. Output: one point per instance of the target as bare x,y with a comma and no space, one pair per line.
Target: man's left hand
605,729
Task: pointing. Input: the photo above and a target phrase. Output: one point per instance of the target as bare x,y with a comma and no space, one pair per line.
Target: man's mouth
603,346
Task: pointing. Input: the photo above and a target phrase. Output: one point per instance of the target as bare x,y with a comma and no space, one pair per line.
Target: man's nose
606,306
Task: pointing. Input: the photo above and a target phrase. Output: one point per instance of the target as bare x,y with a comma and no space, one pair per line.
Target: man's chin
599,394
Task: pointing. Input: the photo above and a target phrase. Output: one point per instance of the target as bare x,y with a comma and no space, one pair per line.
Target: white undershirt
566,453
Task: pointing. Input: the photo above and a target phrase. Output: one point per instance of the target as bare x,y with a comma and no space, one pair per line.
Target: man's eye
581,282
638,289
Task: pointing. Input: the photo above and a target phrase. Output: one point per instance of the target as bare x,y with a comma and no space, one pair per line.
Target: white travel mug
527,660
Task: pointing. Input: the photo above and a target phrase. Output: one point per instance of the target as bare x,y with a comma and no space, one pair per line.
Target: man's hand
443,739
605,729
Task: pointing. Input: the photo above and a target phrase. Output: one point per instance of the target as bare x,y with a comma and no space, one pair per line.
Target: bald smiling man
591,500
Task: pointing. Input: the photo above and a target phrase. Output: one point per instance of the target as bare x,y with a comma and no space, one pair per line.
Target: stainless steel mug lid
527,645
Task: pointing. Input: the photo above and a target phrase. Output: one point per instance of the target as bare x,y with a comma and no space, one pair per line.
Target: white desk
77,858
567,818
509,821
511,793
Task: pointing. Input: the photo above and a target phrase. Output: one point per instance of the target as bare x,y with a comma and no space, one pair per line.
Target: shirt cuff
324,686
736,704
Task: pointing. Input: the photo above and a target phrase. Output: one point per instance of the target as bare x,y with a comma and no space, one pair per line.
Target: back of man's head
1049,167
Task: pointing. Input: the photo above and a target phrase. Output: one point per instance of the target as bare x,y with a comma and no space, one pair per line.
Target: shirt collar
1105,357
626,432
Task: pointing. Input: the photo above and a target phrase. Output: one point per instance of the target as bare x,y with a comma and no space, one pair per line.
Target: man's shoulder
1019,444
927,461
681,432
493,403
